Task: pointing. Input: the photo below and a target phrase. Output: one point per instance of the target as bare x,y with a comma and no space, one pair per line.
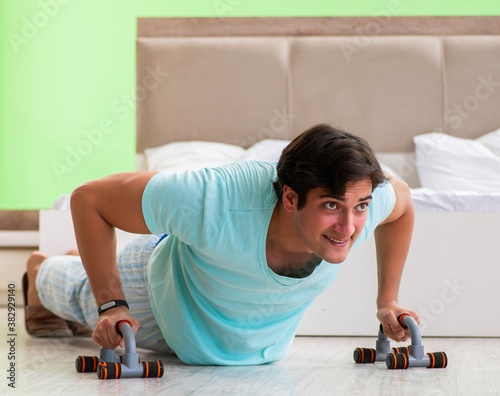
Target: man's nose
345,224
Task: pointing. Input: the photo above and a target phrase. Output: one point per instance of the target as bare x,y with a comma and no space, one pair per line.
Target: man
249,247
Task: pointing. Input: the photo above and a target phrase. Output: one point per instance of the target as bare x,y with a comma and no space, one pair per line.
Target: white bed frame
239,80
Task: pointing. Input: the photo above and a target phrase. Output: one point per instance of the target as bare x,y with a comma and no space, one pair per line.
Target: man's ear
289,199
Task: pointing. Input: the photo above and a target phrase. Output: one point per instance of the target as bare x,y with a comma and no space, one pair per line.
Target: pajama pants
64,289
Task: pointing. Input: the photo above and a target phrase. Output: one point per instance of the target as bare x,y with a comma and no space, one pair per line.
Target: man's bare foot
32,266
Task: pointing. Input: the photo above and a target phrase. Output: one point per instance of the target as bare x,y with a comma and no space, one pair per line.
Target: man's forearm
393,243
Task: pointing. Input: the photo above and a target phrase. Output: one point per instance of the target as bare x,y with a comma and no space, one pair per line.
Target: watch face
108,305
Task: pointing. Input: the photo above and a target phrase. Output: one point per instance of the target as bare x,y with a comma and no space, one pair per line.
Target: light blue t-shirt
215,299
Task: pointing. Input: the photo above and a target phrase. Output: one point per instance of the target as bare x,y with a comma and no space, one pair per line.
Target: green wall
67,80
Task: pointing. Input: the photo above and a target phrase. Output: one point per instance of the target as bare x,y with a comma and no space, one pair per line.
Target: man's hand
388,315
105,332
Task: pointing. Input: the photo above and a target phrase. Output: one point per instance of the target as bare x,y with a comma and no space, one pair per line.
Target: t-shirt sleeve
185,203
381,206
193,205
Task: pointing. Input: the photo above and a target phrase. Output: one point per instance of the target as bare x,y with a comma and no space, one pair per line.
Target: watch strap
111,304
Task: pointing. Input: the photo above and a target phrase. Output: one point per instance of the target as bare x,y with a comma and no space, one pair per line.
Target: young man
249,247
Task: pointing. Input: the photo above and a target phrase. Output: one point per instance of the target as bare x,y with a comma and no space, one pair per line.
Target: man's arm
392,239
98,207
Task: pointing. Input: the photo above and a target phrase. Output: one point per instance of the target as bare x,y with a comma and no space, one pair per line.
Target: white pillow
178,156
63,202
388,169
268,150
492,141
448,163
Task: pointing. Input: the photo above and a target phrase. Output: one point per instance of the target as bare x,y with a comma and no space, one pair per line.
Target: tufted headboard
240,80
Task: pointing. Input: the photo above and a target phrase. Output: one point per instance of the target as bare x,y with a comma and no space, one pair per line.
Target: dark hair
326,157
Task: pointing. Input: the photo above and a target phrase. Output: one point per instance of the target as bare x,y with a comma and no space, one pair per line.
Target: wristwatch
111,304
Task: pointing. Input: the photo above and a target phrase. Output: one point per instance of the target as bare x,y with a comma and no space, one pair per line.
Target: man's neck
286,253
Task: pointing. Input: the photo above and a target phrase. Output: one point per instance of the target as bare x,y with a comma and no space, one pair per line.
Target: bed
423,91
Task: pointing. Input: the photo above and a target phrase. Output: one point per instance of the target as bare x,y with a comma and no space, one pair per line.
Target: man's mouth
336,242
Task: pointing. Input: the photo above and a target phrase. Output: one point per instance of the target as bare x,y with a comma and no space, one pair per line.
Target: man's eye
331,205
362,207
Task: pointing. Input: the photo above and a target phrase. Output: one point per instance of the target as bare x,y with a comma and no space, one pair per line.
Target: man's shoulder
251,167
250,183
383,202
247,173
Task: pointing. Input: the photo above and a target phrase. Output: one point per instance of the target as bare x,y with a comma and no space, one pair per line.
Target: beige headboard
240,80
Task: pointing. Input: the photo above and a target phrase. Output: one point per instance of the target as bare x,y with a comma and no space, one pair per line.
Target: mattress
426,200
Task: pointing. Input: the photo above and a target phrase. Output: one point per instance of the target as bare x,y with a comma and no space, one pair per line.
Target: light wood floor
316,366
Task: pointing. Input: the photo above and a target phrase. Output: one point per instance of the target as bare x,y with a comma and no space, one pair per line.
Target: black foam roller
405,350
437,360
109,370
396,361
152,369
86,364
364,355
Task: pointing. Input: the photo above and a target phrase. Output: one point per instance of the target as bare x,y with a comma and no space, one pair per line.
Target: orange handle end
400,319
118,325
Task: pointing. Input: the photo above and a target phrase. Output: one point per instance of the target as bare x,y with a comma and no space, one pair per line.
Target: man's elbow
82,197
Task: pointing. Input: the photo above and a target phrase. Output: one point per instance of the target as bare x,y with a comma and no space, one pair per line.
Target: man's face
328,225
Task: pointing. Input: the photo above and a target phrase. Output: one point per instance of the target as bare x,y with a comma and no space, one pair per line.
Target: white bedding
426,200
449,163
198,154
